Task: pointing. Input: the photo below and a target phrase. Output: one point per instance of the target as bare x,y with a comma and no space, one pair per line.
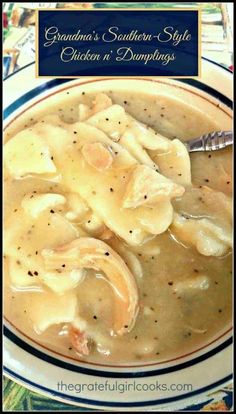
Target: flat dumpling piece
84,112
103,191
208,238
35,204
129,142
77,207
175,162
147,186
146,136
48,309
62,281
26,153
202,201
56,137
156,220
19,275
93,225
101,102
112,121
200,282
24,242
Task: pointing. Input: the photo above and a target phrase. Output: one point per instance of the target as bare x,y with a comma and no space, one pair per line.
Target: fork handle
211,142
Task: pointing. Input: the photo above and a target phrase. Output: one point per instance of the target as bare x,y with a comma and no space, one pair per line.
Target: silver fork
210,142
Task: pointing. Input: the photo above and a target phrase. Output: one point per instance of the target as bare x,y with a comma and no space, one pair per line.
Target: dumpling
146,186
78,208
129,141
101,102
156,220
200,282
174,163
208,238
35,204
56,137
19,275
48,309
84,112
146,136
28,146
61,281
111,120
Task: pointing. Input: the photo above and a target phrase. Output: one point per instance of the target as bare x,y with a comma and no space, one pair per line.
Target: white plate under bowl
41,370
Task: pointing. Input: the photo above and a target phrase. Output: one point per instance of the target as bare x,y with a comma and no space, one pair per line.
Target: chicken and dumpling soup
117,241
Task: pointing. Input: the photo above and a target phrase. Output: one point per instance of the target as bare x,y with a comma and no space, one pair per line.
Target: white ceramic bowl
40,369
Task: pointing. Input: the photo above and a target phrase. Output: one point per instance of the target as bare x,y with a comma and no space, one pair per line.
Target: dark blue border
209,90
118,404
24,98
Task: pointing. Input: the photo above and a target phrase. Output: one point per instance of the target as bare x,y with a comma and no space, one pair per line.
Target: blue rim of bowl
100,373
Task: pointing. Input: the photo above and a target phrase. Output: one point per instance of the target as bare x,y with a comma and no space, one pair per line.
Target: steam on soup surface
117,243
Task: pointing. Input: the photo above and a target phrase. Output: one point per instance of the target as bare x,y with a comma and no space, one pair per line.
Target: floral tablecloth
18,398
18,48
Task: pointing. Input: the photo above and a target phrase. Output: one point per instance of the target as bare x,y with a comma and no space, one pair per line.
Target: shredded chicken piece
97,155
91,253
79,340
